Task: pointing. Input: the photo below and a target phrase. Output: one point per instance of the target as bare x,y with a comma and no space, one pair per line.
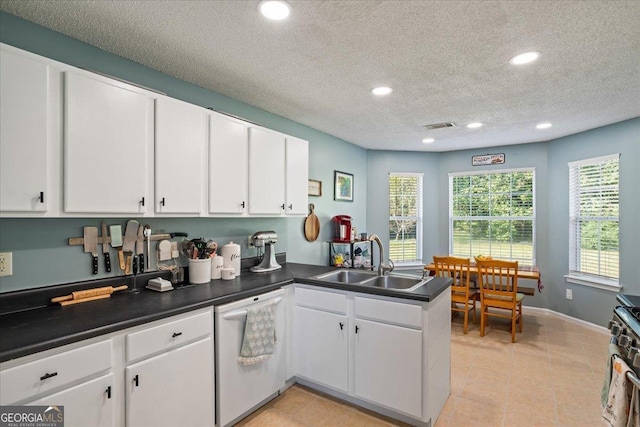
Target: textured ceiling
446,61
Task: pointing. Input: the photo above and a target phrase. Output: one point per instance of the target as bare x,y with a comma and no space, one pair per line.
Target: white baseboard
580,322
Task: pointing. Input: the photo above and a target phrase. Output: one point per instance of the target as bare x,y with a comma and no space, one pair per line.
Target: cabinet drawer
169,335
389,312
328,301
31,379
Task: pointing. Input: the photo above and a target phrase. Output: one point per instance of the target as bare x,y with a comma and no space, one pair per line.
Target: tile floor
551,376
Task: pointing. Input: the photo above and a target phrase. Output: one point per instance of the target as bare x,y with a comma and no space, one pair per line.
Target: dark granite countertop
24,332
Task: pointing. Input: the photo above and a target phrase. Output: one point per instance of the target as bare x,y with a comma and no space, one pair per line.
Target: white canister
199,271
231,256
216,267
228,273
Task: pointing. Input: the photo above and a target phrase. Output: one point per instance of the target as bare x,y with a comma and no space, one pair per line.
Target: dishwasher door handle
242,313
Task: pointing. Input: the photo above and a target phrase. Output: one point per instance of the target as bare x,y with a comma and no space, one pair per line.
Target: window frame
574,275
419,218
533,217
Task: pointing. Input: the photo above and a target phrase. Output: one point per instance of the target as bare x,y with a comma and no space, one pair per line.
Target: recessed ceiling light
428,140
274,9
381,90
474,125
543,126
524,58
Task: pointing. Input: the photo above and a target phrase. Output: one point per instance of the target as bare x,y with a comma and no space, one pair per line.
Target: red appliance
341,228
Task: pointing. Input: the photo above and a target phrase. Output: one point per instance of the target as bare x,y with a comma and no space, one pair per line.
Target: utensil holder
199,271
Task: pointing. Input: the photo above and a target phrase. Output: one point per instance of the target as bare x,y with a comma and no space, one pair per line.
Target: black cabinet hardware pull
162,202
341,325
357,329
282,206
41,197
242,204
176,334
108,391
142,202
136,381
47,375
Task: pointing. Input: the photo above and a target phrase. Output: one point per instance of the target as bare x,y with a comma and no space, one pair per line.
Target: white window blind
405,217
493,214
594,217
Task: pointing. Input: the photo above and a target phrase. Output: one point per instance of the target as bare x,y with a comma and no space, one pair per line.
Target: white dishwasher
241,388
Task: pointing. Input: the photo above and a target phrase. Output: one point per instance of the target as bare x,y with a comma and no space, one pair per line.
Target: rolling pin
77,301
88,293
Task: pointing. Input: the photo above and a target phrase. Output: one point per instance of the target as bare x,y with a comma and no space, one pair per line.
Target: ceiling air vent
439,126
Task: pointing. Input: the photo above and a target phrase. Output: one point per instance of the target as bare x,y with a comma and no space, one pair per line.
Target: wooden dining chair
461,294
499,293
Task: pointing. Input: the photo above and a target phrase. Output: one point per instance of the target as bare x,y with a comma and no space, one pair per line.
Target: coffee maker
341,228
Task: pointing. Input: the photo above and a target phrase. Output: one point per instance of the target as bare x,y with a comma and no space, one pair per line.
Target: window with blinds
405,217
493,214
594,217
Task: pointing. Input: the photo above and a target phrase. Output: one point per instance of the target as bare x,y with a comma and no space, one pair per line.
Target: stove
625,330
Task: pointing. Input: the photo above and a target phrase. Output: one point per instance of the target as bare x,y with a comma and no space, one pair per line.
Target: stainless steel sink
354,277
346,276
395,282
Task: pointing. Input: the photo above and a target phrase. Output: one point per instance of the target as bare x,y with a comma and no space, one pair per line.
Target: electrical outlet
250,241
6,261
569,294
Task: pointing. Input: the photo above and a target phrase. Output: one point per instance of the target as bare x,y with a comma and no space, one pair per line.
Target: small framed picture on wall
343,186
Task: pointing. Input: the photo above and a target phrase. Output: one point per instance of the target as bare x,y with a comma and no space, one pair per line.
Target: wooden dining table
522,274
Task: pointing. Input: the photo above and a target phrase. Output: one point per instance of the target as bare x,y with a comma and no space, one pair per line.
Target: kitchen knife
130,235
116,242
138,260
91,245
105,248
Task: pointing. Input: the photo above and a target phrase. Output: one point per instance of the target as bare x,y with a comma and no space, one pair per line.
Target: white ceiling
446,61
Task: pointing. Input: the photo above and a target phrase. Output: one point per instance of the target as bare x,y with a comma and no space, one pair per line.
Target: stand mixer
266,239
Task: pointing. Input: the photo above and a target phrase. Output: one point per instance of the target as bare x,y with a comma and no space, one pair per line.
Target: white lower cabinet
388,366
172,389
321,347
374,350
157,374
87,404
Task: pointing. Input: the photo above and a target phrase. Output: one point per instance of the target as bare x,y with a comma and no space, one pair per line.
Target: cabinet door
106,134
228,165
388,366
320,347
87,404
172,389
23,133
266,172
297,175
181,136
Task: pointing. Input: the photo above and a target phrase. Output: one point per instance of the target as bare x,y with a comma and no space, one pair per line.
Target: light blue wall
41,255
592,304
381,164
552,207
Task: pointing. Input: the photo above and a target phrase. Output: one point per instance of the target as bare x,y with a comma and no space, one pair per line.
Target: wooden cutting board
311,225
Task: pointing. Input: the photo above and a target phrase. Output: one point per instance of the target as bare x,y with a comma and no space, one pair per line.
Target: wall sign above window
488,159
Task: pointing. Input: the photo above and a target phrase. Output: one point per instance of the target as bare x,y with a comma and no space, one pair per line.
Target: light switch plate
6,264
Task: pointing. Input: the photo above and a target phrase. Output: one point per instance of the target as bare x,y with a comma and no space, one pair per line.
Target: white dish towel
622,405
259,334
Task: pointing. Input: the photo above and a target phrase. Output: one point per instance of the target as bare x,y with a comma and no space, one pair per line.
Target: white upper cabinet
180,161
24,100
266,172
228,165
108,129
297,175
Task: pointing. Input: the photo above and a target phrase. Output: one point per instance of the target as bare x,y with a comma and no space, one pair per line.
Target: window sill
409,265
594,282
